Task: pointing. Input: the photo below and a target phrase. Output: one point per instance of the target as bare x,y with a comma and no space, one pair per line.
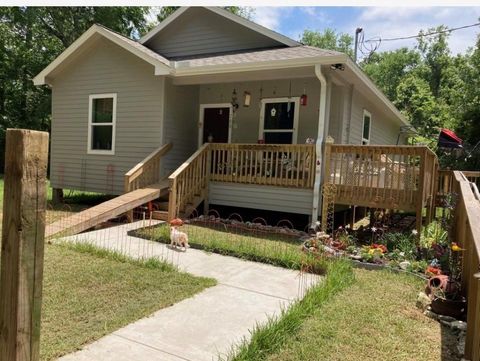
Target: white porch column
322,118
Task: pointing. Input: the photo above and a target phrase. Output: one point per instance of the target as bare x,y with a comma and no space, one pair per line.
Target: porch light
338,66
246,99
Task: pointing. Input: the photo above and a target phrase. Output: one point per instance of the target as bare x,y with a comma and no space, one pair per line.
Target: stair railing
190,180
147,171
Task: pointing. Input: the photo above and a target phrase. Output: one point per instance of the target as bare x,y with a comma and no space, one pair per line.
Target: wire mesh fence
146,238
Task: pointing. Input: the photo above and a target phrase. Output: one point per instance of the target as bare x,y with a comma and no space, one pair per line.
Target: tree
416,101
436,56
329,39
387,69
243,11
30,38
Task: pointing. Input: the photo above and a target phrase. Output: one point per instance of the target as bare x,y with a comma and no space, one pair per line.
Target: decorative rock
446,318
355,257
430,314
404,265
423,301
459,325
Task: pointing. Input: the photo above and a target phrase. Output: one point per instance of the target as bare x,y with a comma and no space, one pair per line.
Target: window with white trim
101,123
367,124
279,120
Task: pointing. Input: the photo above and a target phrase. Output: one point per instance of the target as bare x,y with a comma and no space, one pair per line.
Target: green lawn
90,293
278,250
375,318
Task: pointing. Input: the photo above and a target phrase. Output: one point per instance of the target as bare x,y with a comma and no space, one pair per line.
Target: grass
278,331
374,318
89,293
267,248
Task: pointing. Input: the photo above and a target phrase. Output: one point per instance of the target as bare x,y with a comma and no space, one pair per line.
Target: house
204,75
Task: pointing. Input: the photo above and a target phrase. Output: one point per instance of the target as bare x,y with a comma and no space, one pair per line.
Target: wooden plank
23,232
105,211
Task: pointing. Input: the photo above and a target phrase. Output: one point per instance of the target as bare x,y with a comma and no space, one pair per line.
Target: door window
278,123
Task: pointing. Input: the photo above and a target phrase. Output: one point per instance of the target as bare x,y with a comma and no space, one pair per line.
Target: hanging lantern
246,99
303,99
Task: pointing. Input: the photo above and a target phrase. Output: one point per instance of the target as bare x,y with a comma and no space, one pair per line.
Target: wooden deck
103,212
377,176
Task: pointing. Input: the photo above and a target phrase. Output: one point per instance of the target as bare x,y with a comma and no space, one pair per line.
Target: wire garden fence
254,240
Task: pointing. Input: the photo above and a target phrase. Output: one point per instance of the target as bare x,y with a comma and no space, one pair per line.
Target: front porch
295,177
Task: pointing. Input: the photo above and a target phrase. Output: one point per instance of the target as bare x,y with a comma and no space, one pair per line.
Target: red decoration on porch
176,222
303,99
261,141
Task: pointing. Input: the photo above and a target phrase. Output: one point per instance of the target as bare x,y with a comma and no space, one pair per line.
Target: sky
384,22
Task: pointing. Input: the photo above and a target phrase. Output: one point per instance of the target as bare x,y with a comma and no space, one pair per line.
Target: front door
216,124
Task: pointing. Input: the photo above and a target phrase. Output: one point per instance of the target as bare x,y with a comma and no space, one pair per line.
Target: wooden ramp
103,212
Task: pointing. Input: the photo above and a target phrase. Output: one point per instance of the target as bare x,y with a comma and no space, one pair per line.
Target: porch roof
255,56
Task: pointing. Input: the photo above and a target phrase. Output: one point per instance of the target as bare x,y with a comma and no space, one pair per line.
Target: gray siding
200,31
245,127
383,130
336,113
269,198
105,68
180,124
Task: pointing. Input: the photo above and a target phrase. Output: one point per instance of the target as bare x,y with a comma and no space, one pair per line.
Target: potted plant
447,298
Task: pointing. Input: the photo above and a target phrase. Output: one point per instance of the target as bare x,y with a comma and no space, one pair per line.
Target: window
367,124
279,120
102,112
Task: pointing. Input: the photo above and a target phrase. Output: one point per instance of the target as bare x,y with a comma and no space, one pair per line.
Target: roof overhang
226,14
182,69
161,66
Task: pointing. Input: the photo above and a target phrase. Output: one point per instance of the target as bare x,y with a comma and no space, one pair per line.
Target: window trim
364,140
91,97
294,130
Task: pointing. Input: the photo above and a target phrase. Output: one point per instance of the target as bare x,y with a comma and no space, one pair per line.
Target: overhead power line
421,35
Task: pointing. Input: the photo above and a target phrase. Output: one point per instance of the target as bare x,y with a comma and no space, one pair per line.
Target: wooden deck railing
445,183
391,177
147,171
290,165
260,164
466,232
189,181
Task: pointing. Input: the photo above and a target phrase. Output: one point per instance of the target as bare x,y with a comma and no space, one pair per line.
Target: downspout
319,143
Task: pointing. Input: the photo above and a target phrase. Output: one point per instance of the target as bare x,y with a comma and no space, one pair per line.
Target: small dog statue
178,238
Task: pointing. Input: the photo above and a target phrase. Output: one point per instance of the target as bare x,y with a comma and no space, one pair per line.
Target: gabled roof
161,64
226,14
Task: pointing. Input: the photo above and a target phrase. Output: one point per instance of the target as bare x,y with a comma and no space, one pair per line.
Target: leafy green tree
30,38
387,69
329,39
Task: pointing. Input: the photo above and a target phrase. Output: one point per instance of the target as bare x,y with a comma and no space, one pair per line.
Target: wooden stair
107,210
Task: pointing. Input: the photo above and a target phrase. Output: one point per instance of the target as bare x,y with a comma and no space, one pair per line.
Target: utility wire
422,35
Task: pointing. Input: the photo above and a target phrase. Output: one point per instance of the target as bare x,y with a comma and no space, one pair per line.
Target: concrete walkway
205,326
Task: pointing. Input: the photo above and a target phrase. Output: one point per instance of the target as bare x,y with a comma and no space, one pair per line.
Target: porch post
319,143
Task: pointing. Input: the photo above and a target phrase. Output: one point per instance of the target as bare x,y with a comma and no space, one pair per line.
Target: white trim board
91,97
261,123
160,63
366,141
226,14
201,117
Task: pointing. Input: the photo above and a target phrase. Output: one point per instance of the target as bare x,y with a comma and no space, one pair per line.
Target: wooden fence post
23,234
